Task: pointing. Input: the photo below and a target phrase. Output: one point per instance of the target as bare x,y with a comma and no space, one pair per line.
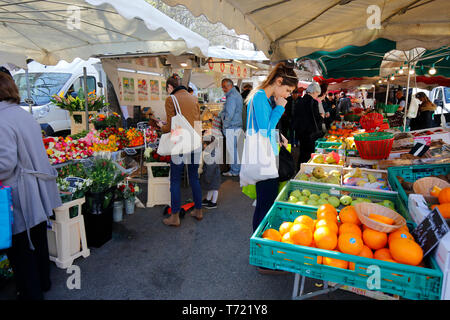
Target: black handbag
286,166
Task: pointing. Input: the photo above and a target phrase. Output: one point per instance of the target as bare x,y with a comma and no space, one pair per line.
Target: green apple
324,195
334,201
322,201
296,193
301,203
346,200
303,198
388,204
312,202
306,192
314,197
292,199
303,177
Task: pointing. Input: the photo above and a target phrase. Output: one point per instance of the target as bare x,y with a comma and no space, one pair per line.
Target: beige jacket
189,109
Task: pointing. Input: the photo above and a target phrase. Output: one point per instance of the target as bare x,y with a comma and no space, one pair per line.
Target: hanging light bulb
385,80
392,78
379,81
432,71
411,71
400,71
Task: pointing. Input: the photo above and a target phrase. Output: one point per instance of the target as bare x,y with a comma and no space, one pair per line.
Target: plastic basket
413,173
339,191
371,121
390,108
406,281
352,117
374,146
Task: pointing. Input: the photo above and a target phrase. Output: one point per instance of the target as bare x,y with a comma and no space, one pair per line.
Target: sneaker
206,202
211,205
229,174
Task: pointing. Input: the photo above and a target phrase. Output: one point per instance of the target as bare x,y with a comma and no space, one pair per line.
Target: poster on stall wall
152,63
142,89
128,89
154,90
141,61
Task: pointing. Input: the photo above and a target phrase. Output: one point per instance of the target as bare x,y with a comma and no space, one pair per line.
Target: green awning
353,61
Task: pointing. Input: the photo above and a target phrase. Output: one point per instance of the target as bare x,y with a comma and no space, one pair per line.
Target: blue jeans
231,141
176,171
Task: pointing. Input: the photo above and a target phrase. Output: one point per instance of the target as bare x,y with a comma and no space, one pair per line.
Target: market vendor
424,119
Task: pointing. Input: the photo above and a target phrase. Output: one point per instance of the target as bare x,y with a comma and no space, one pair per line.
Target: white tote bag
258,159
413,108
182,138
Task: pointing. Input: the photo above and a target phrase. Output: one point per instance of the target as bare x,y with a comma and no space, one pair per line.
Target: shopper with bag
183,108
308,122
261,146
424,118
24,166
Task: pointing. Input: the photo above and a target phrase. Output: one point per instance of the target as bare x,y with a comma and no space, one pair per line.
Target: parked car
440,96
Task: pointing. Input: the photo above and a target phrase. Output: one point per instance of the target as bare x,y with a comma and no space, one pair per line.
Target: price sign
430,231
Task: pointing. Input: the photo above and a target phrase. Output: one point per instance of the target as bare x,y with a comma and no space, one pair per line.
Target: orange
319,259
382,219
306,220
301,234
327,211
400,234
348,214
374,239
365,252
389,260
327,223
337,263
325,238
272,234
287,238
348,227
285,227
382,254
405,228
350,243
327,215
406,251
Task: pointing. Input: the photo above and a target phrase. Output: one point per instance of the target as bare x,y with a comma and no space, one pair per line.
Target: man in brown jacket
191,111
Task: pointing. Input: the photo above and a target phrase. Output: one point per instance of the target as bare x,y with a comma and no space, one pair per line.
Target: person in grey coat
24,166
210,178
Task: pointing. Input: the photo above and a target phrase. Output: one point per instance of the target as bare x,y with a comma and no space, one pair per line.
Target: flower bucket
129,205
118,211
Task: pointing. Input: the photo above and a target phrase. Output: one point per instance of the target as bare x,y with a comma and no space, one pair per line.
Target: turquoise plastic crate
319,141
339,191
406,281
326,147
413,173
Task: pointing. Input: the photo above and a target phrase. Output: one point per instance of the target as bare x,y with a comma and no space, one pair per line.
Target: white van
46,81
440,96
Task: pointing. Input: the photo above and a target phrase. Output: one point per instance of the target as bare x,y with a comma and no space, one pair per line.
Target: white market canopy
50,31
285,29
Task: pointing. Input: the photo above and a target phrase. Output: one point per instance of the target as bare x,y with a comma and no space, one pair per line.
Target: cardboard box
442,257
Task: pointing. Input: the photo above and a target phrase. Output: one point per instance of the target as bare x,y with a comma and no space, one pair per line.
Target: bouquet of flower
151,135
135,137
128,190
120,136
102,121
71,104
60,150
104,174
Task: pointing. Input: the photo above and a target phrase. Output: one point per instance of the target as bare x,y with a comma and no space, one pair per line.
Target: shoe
229,174
206,202
173,220
211,205
197,214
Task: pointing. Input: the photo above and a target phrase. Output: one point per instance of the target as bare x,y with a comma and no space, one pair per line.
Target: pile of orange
345,233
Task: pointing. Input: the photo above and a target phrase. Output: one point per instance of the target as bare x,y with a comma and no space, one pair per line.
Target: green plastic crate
413,173
406,281
326,147
339,191
390,108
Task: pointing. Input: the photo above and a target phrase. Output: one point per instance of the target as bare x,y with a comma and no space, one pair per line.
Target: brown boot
197,214
173,220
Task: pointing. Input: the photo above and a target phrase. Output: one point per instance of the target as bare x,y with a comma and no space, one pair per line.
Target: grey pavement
199,260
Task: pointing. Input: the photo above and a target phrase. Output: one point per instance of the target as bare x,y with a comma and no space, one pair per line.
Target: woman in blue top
268,101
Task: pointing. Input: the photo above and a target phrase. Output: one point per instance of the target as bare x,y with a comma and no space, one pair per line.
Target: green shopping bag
249,191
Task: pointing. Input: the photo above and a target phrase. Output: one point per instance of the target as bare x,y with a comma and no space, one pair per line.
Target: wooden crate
75,126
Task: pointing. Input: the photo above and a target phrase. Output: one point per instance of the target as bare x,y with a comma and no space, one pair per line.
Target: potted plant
151,155
102,121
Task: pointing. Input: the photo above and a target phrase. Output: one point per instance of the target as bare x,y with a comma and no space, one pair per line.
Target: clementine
285,227
327,223
301,234
272,234
287,238
348,214
306,220
406,251
325,238
348,227
337,263
400,234
374,239
350,243
382,254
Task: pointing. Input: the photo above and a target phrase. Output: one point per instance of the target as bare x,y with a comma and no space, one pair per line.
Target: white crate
67,236
376,173
158,192
355,161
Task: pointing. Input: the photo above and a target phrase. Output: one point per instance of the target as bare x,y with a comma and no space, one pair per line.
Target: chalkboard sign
72,183
430,231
